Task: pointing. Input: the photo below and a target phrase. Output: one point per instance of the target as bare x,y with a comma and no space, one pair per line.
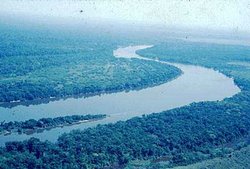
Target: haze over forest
231,15
124,84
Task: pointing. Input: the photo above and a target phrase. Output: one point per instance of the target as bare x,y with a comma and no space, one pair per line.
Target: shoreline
15,103
125,105
30,131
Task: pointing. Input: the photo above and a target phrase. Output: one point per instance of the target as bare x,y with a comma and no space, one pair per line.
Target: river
194,85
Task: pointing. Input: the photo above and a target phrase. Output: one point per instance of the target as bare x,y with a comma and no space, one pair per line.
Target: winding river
194,85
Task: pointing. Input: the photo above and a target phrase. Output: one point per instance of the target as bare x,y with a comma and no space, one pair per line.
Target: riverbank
194,85
83,68
189,134
32,126
38,101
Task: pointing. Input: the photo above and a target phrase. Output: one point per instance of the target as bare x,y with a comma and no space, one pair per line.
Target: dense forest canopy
51,50
176,137
42,64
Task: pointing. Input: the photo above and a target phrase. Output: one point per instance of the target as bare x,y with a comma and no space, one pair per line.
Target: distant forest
171,138
38,65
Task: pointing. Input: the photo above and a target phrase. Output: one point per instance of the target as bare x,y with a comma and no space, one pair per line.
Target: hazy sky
212,14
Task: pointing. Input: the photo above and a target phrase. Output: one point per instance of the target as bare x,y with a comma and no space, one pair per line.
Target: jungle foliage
182,136
33,125
40,65
176,137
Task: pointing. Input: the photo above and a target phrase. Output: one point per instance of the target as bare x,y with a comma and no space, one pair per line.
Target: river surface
194,85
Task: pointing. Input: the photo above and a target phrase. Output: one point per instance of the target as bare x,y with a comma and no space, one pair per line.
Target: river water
194,85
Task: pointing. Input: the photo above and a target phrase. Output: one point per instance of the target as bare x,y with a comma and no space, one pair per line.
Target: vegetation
218,57
36,65
171,138
236,160
31,125
183,136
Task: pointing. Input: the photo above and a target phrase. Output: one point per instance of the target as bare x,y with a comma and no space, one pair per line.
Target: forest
41,65
180,136
30,126
171,138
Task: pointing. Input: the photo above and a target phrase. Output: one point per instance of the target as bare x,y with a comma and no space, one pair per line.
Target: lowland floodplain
55,67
